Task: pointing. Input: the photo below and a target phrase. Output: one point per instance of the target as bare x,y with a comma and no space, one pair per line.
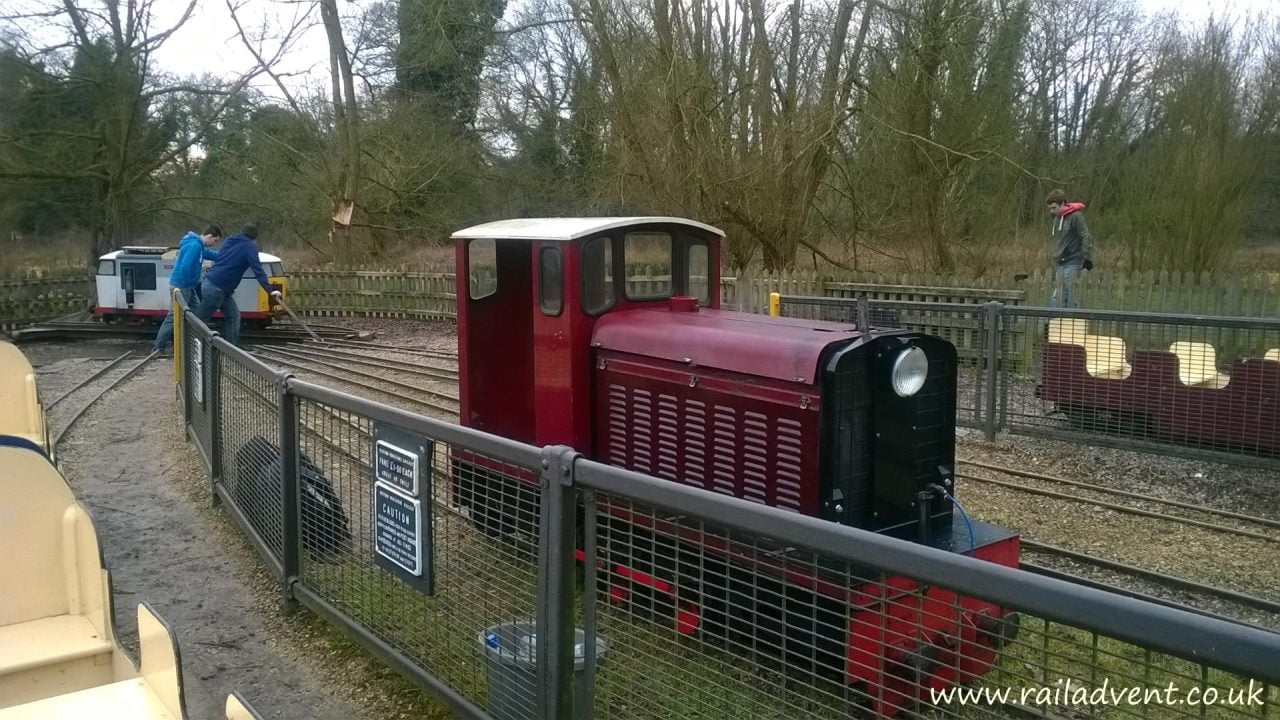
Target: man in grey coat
1072,246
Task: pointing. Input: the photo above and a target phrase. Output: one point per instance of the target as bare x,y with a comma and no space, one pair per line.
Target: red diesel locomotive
562,341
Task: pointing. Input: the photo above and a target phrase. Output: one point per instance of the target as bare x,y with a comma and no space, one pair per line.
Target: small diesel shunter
566,335
133,286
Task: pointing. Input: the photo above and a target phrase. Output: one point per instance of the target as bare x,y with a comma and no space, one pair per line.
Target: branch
157,40
158,205
193,89
975,156
538,24
46,175
199,134
77,21
244,38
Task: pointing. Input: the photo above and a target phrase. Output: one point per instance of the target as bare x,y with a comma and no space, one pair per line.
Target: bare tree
119,116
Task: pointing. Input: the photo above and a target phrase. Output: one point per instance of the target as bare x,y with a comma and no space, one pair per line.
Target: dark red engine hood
772,347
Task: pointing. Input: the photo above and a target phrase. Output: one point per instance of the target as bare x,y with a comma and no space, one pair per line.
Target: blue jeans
1064,295
165,335
213,299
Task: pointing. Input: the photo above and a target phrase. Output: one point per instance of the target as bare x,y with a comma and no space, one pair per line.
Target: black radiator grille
849,438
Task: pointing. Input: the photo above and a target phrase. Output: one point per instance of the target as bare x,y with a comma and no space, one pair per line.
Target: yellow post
775,304
178,328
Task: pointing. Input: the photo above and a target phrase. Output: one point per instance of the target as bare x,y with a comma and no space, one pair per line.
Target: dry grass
30,254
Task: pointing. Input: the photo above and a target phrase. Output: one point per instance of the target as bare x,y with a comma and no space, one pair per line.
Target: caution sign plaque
401,505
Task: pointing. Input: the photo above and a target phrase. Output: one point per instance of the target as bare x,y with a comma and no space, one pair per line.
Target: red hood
1070,208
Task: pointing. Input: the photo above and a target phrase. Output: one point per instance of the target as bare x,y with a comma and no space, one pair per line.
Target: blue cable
973,545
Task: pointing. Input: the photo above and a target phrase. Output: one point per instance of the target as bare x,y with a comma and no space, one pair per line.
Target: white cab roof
567,228
262,257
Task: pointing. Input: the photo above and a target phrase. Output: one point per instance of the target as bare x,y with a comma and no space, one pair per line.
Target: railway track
351,357
1125,578
88,330
1149,585
416,394
1260,524
98,384
370,345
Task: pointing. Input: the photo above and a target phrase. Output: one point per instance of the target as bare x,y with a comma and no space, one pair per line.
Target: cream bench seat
152,693
55,623
1104,354
1198,365
1272,354
126,699
20,412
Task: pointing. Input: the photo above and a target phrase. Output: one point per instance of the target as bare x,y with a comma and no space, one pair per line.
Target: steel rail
88,330
1127,592
397,365
1158,577
1124,493
357,383
86,381
115,383
324,363
1122,508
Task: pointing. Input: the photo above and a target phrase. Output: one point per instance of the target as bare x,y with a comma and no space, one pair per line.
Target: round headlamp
910,369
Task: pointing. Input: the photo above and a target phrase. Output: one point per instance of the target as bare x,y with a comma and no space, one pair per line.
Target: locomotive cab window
482,268
598,289
106,267
647,265
551,280
698,270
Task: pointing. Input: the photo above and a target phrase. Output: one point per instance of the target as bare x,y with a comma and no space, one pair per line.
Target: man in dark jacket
193,250
1072,245
216,291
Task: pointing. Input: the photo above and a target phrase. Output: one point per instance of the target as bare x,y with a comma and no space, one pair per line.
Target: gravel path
129,463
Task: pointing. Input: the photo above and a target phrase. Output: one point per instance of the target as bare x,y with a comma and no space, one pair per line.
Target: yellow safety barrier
179,342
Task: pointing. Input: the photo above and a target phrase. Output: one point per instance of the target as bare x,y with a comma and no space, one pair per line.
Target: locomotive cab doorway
495,338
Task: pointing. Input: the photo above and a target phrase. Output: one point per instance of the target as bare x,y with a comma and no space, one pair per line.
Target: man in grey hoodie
1072,246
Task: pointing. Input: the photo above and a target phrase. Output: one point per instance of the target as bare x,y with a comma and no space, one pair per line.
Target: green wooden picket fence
32,295
416,294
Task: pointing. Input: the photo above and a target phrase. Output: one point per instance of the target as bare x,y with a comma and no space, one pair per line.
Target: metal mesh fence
1191,384
703,622
249,426
481,546
721,608
196,358
1183,385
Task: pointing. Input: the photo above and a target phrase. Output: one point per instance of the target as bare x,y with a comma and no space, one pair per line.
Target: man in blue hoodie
193,250
216,291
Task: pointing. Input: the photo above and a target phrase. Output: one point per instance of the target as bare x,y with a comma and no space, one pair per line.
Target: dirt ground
129,463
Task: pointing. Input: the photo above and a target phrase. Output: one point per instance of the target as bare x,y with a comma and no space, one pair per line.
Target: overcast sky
208,42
